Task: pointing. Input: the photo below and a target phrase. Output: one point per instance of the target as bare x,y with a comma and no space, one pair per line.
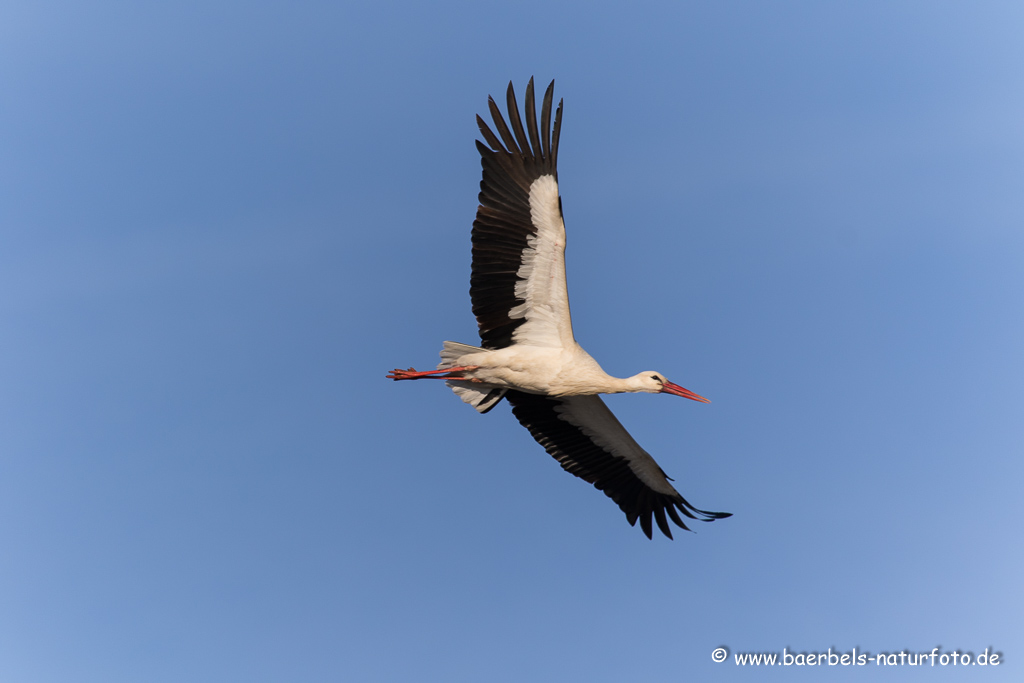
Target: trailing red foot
446,373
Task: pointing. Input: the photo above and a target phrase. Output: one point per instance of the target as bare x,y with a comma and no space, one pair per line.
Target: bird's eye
657,379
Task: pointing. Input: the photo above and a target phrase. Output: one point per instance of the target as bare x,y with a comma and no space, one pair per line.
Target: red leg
446,373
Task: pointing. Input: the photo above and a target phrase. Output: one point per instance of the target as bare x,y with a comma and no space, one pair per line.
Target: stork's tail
482,398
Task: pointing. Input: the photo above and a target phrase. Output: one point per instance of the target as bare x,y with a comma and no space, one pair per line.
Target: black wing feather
514,119
499,122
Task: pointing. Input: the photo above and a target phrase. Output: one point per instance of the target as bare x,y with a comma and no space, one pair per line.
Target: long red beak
677,390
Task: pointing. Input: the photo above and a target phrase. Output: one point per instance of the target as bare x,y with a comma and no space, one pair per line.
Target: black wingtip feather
659,517
676,519
555,135
645,524
491,138
503,131
531,121
516,121
545,119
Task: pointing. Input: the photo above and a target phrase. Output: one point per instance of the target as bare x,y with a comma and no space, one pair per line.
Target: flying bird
528,354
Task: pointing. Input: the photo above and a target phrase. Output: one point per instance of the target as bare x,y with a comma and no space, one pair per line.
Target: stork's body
528,354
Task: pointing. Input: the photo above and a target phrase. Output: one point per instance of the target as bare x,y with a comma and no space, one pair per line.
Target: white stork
528,354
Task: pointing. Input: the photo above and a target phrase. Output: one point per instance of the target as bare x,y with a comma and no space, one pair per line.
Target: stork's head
655,383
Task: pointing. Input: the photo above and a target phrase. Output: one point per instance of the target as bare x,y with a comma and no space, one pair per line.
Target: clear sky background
222,223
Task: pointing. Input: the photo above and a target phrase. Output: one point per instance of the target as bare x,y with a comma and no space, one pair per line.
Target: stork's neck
587,377
622,385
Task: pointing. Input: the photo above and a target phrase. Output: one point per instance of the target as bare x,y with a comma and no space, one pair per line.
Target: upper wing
518,281
586,439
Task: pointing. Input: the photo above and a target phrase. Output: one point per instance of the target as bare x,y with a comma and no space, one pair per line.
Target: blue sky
222,223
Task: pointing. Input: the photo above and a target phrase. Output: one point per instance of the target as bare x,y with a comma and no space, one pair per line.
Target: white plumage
528,354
